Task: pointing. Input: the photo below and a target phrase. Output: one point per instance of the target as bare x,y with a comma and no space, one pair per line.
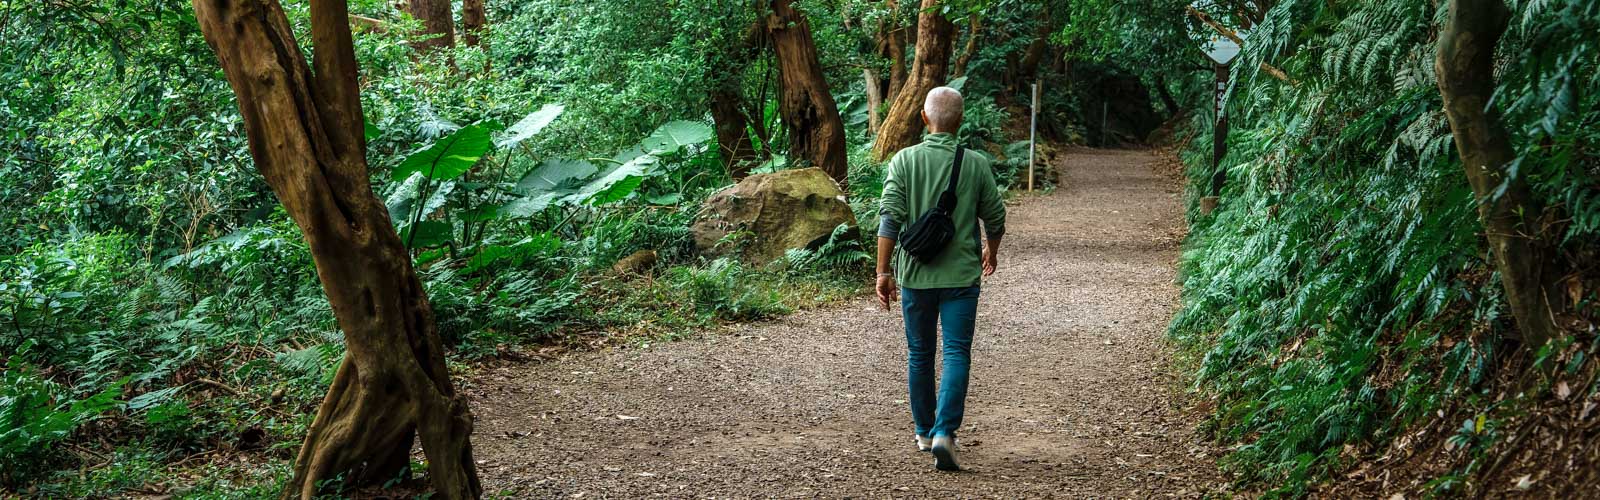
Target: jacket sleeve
892,205
991,208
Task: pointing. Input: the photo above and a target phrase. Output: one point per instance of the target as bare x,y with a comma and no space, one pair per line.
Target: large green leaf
369,130
616,183
552,174
855,113
530,125
403,202
451,156
532,205
671,137
428,233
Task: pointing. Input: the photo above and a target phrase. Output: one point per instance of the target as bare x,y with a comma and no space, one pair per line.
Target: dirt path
1071,390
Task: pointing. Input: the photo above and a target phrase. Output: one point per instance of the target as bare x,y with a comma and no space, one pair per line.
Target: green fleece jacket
916,177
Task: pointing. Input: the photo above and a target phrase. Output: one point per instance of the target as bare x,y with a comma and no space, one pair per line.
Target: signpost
1221,50
1033,132
1219,134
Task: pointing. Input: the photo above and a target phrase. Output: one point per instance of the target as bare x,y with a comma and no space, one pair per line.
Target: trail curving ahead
1072,390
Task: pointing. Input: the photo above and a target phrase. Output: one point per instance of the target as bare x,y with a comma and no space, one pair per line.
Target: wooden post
1033,135
1105,108
1219,134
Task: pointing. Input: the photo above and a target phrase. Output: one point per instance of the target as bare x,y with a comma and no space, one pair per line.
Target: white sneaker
944,453
924,443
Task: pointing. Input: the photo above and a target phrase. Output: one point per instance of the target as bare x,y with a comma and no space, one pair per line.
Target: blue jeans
924,310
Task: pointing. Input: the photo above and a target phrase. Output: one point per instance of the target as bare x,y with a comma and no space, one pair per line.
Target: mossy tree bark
306,136
1510,213
816,132
929,69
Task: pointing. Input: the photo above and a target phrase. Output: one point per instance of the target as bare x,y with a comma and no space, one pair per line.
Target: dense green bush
36,415
156,301
1340,294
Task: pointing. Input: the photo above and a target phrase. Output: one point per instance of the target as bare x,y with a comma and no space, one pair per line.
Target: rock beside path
769,214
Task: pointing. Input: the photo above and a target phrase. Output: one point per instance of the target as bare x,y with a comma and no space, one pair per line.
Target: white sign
1221,49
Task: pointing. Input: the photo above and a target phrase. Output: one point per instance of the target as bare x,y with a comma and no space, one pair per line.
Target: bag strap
947,201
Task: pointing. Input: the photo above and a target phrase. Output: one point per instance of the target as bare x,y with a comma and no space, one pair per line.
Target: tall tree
892,45
974,25
874,88
816,132
305,131
473,21
733,130
727,102
1510,212
438,24
929,69
1023,70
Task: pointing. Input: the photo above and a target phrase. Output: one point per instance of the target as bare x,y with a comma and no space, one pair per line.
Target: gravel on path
1072,392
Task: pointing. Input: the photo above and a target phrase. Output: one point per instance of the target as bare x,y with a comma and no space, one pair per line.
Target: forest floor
1073,389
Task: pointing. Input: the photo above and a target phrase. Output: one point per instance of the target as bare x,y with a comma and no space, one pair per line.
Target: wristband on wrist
885,275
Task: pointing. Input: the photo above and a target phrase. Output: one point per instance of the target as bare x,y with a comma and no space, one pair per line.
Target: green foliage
841,251
142,258
36,415
1339,295
722,290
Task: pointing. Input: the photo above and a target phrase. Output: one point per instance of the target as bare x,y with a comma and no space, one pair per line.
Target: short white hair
943,107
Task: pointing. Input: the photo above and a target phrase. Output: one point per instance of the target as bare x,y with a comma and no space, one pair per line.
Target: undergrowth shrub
727,290
1340,293
36,415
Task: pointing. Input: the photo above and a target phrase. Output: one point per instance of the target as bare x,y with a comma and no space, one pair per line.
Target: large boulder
771,213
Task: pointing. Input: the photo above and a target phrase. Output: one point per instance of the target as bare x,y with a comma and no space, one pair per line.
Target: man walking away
942,289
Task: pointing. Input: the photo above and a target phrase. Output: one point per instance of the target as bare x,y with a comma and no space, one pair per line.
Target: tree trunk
874,99
727,103
816,133
473,21
733,131
892,45
973,25
903,126
305,133
1166,96
438,25
1465,66
1028,66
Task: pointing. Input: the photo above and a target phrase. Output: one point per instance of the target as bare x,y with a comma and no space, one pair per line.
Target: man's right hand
888,292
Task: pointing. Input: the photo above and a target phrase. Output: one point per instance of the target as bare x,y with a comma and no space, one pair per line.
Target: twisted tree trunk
816,133
903,126
305,133
1465,65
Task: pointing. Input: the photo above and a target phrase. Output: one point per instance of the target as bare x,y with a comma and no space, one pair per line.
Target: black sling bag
928,237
